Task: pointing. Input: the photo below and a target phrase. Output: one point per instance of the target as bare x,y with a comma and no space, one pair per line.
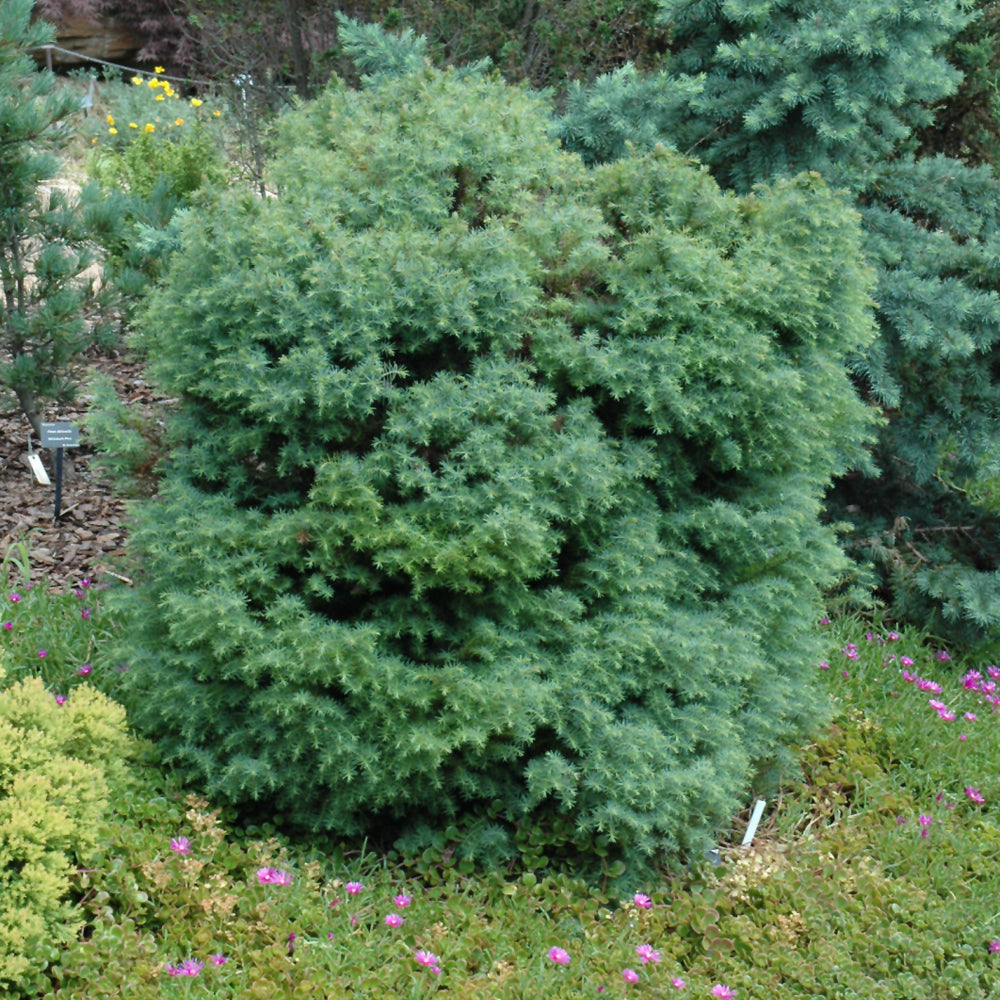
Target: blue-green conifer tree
846,89
497,479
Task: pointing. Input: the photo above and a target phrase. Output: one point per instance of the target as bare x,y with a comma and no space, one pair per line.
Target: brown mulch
88,539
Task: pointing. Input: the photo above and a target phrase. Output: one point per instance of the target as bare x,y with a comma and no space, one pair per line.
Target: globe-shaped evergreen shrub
497,478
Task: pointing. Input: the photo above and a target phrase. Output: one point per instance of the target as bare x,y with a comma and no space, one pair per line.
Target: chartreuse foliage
496,480
55,762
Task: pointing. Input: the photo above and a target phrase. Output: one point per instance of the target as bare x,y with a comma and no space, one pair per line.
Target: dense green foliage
873,875
43,240
55,761
496,480
774,88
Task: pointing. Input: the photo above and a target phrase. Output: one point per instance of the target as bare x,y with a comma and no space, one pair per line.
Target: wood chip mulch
88,539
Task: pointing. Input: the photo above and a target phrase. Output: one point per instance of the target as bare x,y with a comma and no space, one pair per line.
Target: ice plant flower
180,844
353,888
630,975
15,598
8,625
942,656
393,920
84,670
402,900
271,876
993,946
559,956
42,653
647,953
974,794
218,959
60,699
722,991
678,983
642,901
189,967
428,959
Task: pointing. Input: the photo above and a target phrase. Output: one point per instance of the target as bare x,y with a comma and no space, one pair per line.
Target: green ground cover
872,875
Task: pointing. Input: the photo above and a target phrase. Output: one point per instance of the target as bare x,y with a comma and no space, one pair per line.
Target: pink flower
189,967
559,956
630,975
218,959
15,598
824,620
271,876
970,716
924,820
428,959
974,794
647,953
180,844
971,679
42,653
8,625
722,991
393,920
678,983
905,661
402,901
823,665
353,888
84,670
642,901
60,699
993,946
942,656
85,613
893,636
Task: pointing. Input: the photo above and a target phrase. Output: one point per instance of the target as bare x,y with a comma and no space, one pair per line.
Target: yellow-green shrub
55,764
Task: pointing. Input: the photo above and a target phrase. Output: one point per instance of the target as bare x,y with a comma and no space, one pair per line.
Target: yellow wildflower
137,80
216,113
159,97
195,103
111,120
153,83
150,127
113,131
158,69
132,125
178,121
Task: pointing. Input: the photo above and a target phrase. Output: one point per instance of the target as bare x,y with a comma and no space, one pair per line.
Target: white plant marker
758,811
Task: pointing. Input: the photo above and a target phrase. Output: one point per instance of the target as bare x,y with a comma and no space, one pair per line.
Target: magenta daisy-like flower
647,953
678,983
218,959
402,901
180,844
393,920
642,901
428,959
722,991
630,975
558,955
272,876
974,794
353,888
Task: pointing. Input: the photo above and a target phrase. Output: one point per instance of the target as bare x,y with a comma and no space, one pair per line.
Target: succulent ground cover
872,875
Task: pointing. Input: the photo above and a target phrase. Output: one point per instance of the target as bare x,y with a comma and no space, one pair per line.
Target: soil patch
88,539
